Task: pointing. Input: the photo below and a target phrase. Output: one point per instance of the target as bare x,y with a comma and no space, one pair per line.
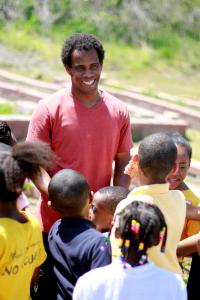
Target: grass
193,136
168,64
7,109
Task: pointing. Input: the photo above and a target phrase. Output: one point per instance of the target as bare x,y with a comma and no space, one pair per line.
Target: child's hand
129,169
41,181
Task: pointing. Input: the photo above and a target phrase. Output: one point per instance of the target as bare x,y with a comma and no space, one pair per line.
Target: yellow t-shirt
21,251
191,226
173,206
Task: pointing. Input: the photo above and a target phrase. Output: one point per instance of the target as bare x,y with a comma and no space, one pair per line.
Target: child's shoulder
192,197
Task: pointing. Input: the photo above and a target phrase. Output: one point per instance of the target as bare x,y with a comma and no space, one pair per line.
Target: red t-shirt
84,139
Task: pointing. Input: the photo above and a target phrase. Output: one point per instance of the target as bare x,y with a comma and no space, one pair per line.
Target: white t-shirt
147,282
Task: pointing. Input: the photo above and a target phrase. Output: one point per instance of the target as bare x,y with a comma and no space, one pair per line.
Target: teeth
88,82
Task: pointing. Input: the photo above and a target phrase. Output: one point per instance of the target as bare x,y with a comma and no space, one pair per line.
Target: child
8,139
140,226
151,166
74,244
104,204
21,246
176,181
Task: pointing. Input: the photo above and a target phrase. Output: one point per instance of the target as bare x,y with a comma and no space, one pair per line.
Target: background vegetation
153,45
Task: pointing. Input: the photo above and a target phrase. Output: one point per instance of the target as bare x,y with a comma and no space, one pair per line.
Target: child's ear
91,197
49,203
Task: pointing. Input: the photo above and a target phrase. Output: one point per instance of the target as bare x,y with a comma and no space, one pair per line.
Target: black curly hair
151,221
21,162
81,41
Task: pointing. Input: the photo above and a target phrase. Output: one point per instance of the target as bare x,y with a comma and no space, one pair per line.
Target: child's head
184,154
6,135
69,193
104,203
156,158
22,161
140,226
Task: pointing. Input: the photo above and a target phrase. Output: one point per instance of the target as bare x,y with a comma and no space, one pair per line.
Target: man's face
85,71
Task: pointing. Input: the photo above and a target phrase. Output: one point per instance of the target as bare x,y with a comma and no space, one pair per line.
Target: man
87,128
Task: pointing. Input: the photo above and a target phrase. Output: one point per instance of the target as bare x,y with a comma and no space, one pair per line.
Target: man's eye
94,67
79,68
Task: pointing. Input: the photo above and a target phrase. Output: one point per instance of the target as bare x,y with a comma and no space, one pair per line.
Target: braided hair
23,161
141,225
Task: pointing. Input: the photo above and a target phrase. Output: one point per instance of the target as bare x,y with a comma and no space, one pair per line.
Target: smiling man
87,128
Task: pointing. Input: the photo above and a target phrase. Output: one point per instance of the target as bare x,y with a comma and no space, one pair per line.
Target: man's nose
88,72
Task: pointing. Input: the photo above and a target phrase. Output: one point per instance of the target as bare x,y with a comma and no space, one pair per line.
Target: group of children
142,238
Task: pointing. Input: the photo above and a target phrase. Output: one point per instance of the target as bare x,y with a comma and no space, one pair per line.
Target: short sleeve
40,126
100,253
125,142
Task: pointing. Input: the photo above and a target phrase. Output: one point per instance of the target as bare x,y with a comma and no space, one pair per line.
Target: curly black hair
81,41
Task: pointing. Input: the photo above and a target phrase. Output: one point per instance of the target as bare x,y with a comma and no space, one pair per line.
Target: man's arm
40,125
119,178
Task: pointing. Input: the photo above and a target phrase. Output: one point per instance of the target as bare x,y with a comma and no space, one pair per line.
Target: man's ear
68,70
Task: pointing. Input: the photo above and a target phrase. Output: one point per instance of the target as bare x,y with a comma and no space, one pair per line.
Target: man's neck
88,100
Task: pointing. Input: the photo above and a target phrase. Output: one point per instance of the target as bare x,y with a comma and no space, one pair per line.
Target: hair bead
140,247
143,259
163,238
135,226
